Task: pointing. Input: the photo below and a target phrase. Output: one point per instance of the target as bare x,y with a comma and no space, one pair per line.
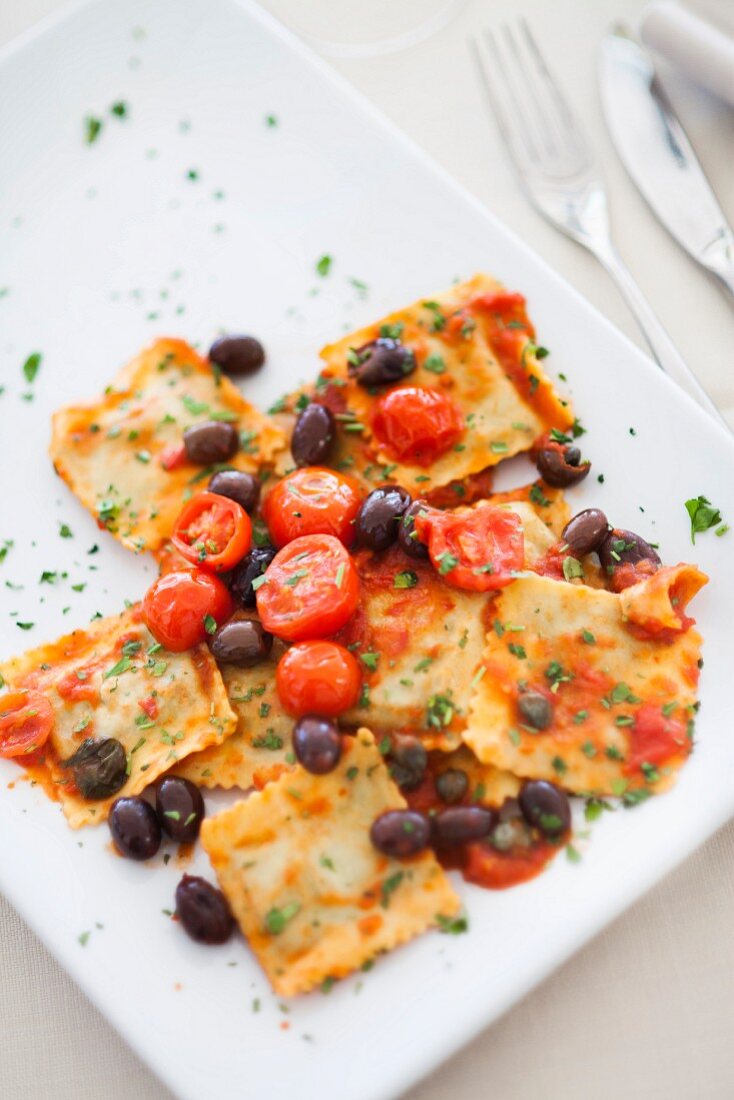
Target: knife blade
656,152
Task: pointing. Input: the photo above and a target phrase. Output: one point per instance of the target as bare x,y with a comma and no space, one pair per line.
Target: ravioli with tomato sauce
113,680
122,454
260,749
313,897
475,351
621,703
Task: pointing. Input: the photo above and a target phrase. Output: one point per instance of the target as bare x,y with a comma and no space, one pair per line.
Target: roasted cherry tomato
318,678
417,425
212,531
312,501
310,589
182,609
478,549
26,720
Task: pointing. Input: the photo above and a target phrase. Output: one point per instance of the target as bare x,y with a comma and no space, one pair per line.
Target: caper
536,709
99,767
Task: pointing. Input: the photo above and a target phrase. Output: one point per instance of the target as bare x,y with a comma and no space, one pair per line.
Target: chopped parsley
405,579
277,919
32,366
703,516
323,265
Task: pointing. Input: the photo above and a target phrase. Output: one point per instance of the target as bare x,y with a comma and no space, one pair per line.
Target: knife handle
661,346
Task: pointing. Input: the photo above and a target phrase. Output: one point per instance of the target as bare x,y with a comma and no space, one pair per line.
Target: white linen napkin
700,49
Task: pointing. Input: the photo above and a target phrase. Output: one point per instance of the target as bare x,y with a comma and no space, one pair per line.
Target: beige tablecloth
646,1011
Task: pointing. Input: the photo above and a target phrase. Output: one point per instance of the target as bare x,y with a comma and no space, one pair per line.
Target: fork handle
661,346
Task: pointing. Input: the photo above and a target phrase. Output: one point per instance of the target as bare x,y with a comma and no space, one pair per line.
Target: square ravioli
313,897
122,455
420,641
475,347
114,680
607,706
261,747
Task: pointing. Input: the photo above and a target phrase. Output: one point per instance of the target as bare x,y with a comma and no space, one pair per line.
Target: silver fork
557,169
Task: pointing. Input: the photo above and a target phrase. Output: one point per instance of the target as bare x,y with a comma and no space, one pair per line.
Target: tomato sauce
511,336
655,739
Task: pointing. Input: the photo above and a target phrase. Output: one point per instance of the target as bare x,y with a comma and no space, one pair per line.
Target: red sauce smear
655,739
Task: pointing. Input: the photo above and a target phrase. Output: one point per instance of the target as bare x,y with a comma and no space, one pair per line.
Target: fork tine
546,88
526,91
516,135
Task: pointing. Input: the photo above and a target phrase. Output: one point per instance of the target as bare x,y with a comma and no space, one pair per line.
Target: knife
656,152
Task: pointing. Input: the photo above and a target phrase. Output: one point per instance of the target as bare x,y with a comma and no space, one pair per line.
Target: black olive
400,833
452,785
237,354
210,441
317,744
203,910
381,362
585,532
99,767
180,808
379,516
252,566
625,546
546,807
408,761
241,642
313,435
461,824
407,537
560,465
237,485
536,709
134,827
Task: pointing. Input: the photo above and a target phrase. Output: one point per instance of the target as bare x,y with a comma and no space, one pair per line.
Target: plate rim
476,1018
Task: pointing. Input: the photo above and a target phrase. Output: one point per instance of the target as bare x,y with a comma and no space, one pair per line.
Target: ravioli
420,641
313,897
113,452
114,680
622,702
463,348
419,644
260,749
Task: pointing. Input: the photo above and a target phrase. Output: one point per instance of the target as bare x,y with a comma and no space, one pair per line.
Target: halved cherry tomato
478,550
318,678
312,501
26,721
181,609
310,590
213,531
655,738
417,425
173,457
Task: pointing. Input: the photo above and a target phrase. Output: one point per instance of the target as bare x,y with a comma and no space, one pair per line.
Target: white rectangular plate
104,246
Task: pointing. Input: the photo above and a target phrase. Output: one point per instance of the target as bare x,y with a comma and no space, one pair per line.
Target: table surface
649,1002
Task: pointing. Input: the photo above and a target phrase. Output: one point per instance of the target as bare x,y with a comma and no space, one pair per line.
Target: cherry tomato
213,532
320,678
478,550
417,425
311,589
172,458
26,720
182,609
312,501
